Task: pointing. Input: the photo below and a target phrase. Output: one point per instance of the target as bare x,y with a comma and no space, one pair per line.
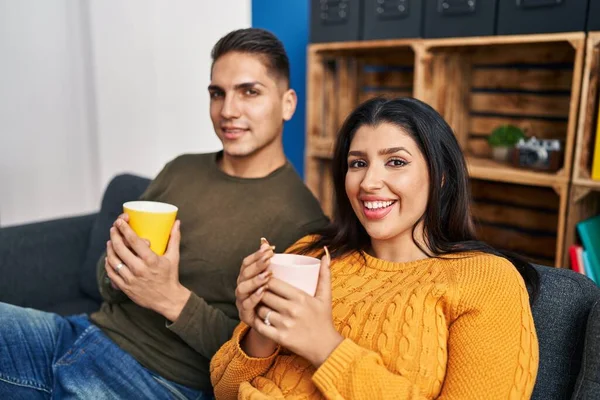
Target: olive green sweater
222,221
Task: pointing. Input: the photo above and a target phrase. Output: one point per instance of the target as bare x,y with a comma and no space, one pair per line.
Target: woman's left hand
299,322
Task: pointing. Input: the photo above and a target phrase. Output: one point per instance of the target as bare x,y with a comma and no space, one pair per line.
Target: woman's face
387,182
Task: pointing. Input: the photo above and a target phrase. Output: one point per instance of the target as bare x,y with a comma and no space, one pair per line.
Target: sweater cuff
338,362
182,324
252,363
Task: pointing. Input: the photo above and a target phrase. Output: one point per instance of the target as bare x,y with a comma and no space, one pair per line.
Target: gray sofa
52,266
566,316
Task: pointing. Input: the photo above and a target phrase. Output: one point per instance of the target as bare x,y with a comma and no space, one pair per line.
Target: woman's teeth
374,205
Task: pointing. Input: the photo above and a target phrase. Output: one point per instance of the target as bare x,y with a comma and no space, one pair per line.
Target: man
165,316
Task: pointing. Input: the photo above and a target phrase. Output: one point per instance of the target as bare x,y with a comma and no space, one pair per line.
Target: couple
408,305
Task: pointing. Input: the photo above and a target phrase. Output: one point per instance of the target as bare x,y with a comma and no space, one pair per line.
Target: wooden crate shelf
584,199
533,82
341,77
586,131
485,168
528,220
477,84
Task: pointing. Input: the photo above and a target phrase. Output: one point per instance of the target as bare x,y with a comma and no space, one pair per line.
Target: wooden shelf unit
525,219
584,200
586,131
341,76
532,81
486,168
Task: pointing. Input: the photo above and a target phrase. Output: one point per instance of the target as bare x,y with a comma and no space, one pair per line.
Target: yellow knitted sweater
453,328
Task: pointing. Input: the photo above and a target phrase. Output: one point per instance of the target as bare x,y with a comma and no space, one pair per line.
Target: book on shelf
589,272
589,233
596,153
576,258
580,260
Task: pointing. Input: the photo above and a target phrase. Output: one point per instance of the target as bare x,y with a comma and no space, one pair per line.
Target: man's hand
151,281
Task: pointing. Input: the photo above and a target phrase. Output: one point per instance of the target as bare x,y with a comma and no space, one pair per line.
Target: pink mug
299,271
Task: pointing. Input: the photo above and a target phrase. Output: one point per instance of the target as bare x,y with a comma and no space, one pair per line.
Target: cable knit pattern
459,327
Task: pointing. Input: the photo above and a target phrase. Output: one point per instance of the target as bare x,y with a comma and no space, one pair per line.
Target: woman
414,306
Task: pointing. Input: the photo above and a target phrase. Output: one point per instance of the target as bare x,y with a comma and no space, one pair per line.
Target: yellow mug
152,220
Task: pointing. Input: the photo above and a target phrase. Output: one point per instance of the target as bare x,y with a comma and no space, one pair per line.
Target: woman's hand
299,322
251,285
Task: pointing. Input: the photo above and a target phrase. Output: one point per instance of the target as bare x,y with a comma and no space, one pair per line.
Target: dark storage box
541,16
593,20
454,18
335,20
390,19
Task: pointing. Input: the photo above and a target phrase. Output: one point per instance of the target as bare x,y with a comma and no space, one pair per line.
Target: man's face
248,104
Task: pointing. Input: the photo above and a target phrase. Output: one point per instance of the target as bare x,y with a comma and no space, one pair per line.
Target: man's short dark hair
255,41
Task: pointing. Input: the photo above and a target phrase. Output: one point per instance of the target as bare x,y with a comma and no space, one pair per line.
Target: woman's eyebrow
392,150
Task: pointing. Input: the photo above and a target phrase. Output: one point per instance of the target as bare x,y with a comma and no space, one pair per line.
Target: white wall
45,142
93,88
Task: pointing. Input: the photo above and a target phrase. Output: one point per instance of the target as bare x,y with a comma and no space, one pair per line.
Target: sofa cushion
40,262
560,313
588,381
121,189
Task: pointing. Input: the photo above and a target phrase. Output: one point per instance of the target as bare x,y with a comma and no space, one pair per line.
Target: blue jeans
46,356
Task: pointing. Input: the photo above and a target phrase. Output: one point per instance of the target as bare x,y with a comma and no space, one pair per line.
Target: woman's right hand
251,286
252,282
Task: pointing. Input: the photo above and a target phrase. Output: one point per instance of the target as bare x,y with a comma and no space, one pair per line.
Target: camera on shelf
544,154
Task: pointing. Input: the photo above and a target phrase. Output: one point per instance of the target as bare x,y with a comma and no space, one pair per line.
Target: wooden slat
489,41
478,147
331,98
347,83
423,80
315,92
514,216
520,242
578,67
534,53
518,195
366,95
376,45
563,193
520,104
403,57
327,196
457,96
586,182
452,91
524,79
482,168
321,147
402,44
312,173
532,127
314,117
387,79
584,149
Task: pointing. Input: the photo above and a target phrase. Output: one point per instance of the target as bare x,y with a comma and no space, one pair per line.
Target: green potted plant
502,139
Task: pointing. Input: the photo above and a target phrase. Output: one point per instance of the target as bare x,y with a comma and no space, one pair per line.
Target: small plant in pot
503,139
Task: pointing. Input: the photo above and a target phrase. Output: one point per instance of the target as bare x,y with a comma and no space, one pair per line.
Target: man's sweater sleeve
193,322
108,293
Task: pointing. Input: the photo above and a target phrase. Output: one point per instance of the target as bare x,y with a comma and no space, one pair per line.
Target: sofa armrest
40,262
